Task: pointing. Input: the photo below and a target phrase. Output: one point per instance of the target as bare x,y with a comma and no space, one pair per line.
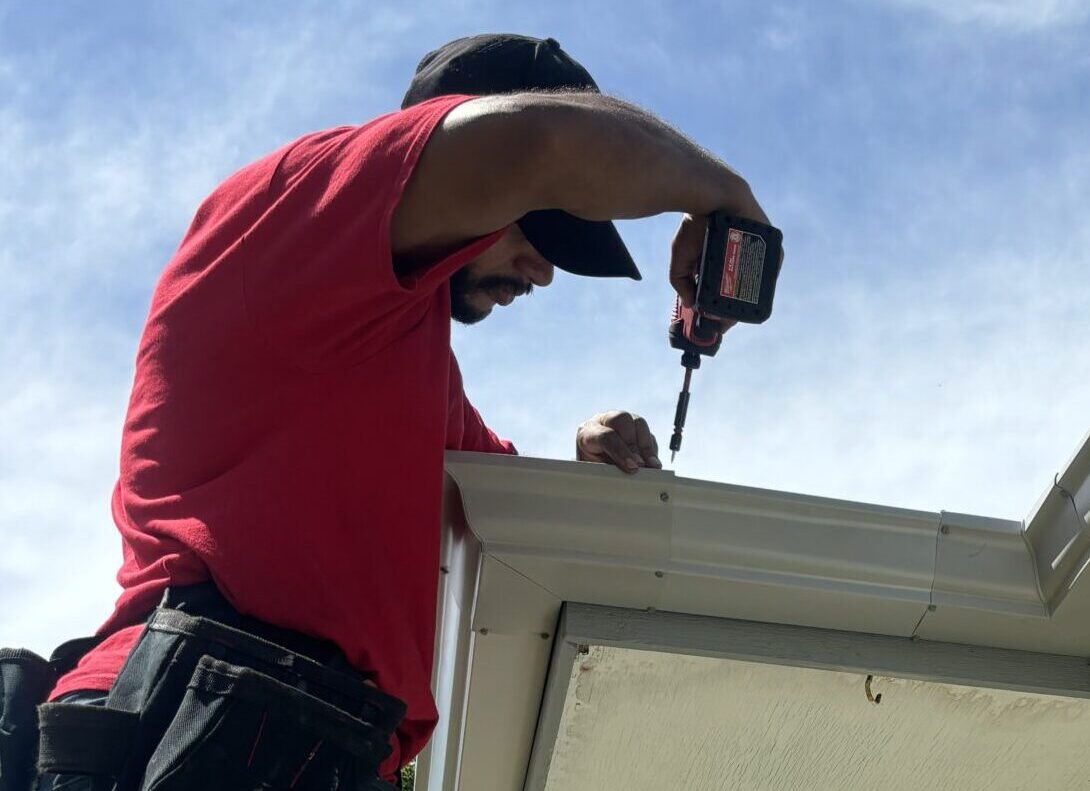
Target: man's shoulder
385,137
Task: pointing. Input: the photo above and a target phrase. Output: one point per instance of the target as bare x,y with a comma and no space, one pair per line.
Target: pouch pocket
25,680
238,728
83,738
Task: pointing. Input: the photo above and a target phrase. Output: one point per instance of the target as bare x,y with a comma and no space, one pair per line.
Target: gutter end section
983,564
1058,530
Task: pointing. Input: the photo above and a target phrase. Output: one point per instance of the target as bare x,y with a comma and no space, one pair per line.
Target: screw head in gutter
664,496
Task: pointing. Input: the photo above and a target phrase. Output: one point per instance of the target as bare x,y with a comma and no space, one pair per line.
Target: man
295,387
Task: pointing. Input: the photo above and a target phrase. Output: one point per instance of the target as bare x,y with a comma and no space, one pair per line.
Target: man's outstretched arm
496,158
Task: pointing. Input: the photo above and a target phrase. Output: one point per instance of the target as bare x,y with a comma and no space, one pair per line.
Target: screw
945,529
483,630
664,496
545,635
660,574
444,570
932,607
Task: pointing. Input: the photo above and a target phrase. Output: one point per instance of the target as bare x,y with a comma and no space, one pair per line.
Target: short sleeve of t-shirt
318,277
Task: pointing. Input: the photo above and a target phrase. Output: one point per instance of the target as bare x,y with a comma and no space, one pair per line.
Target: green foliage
408,777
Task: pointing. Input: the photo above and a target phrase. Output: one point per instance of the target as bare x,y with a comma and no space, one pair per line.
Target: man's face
508,269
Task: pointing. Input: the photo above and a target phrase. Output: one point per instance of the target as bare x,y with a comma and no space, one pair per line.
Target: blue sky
926,160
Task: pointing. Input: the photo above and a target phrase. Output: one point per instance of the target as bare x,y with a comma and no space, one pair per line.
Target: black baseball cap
497,63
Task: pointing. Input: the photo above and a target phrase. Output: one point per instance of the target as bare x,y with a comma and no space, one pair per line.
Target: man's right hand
688,245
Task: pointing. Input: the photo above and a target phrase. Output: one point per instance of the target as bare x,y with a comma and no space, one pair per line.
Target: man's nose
537,271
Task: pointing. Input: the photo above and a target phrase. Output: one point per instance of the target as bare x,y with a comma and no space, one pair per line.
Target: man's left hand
618,438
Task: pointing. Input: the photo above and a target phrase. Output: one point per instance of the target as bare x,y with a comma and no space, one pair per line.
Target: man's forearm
609,159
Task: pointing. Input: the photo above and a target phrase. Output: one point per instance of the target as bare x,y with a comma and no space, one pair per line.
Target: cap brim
582,247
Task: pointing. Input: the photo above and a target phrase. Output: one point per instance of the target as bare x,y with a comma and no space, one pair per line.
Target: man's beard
463,287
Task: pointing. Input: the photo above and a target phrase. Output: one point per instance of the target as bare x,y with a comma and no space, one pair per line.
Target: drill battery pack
738,269
736,282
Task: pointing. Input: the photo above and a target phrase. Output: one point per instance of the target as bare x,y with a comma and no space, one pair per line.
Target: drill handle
693,332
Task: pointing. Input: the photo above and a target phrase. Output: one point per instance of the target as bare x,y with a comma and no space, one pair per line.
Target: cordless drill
735,282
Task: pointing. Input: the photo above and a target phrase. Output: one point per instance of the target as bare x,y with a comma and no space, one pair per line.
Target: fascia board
800,646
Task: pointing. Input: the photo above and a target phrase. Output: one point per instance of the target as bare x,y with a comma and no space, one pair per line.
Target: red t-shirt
291,405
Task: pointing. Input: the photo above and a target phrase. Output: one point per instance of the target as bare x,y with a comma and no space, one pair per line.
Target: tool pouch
25,680
236,727
200,704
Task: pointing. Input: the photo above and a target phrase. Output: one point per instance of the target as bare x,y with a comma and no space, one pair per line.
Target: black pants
217,704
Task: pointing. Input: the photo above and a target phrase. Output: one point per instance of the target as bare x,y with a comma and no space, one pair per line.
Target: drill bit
679,414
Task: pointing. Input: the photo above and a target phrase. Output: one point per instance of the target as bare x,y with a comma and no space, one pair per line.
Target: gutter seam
934,577
514,570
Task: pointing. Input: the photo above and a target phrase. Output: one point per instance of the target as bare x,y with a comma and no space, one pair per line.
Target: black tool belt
201,703
25,681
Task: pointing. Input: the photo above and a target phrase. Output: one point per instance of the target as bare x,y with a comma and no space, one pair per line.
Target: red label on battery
730,263
743,264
